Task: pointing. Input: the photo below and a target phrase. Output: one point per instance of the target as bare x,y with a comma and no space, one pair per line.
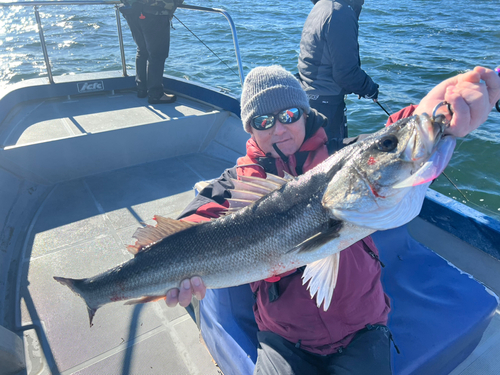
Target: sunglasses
287,116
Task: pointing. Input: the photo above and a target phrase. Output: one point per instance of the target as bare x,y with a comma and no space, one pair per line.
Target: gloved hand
373,96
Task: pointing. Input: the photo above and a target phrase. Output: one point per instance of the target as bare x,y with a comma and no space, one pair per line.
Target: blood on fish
375,193
371,160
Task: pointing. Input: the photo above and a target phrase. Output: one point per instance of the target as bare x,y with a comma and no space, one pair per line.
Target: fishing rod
380,105
202,42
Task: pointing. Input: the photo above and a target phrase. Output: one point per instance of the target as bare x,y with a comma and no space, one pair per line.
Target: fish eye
387,143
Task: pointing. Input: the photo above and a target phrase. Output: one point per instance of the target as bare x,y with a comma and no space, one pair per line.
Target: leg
277,356
368,353
156,30
141,58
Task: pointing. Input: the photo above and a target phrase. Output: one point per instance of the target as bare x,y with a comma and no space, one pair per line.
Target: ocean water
406,47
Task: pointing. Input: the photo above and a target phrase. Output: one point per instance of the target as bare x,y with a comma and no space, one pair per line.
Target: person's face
288,137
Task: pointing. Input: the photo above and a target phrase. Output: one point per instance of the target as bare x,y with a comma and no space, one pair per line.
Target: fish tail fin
73,284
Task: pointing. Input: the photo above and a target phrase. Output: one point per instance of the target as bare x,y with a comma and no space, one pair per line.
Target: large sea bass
378,183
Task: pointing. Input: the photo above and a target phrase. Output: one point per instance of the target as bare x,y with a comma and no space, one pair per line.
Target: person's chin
287,149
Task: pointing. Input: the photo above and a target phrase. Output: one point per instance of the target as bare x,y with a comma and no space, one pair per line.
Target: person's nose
279,128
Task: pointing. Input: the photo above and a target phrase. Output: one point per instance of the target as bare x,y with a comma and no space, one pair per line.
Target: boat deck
81,227
81,213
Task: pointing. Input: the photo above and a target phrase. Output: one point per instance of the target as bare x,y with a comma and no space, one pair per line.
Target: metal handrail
36,4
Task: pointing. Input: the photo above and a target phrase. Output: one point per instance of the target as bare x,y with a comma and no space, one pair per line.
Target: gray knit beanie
268,89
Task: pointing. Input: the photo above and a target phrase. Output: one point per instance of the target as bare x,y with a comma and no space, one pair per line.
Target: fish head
383,180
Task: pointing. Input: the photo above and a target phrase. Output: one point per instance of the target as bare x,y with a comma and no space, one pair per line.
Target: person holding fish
296,335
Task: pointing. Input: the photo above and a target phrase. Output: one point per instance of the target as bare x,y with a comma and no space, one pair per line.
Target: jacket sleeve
211,201
404,113
342,43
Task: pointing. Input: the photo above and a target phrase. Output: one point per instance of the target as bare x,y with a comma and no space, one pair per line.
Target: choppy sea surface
406,47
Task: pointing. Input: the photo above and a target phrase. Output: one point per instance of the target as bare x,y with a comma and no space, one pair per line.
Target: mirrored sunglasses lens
289,116
263,122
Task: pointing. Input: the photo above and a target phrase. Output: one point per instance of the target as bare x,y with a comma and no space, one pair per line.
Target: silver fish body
307,219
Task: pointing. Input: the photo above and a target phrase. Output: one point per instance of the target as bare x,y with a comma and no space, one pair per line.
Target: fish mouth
433,147
430,132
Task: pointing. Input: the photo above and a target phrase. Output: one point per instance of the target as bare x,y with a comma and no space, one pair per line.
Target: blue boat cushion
438,313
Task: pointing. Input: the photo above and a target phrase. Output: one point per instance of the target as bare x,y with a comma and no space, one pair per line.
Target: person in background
149,22
295,336
329,63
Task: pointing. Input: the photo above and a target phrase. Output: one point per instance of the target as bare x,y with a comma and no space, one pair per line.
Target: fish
278,224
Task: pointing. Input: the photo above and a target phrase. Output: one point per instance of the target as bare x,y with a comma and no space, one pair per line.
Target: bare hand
189,288
470,99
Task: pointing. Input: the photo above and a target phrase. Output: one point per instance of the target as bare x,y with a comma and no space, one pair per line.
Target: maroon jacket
358,298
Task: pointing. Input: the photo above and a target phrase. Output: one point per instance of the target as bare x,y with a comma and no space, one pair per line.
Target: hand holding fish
189,288
471,95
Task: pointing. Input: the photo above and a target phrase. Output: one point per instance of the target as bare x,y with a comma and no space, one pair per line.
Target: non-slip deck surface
82,229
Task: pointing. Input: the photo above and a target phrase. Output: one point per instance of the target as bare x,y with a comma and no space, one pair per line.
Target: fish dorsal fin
149,234
249,189
249,186
245,194
236,204
288,176
322,277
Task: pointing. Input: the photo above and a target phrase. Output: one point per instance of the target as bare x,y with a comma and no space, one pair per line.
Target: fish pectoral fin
144,299
322,277
330,232
149,235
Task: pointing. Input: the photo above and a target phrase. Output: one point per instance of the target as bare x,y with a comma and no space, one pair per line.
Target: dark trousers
333,107
152,36
367,354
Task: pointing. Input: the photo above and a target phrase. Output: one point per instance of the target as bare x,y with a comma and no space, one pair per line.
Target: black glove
373,96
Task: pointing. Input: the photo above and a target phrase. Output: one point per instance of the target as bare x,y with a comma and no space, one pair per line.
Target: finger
185,293
461,119
199,287
492,81
471,76
172,297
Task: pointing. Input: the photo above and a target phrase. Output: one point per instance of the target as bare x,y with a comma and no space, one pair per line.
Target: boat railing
37,4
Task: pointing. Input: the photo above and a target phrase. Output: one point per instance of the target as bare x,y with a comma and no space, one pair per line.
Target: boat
76,182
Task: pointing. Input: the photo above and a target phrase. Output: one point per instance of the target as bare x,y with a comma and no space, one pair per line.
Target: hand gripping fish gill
376,184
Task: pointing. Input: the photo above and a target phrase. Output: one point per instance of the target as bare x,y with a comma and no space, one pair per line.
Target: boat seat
438,315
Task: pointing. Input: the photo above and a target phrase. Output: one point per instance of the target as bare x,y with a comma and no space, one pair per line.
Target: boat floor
82,229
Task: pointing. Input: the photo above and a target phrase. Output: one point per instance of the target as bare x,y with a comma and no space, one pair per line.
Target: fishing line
205,45
456,187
